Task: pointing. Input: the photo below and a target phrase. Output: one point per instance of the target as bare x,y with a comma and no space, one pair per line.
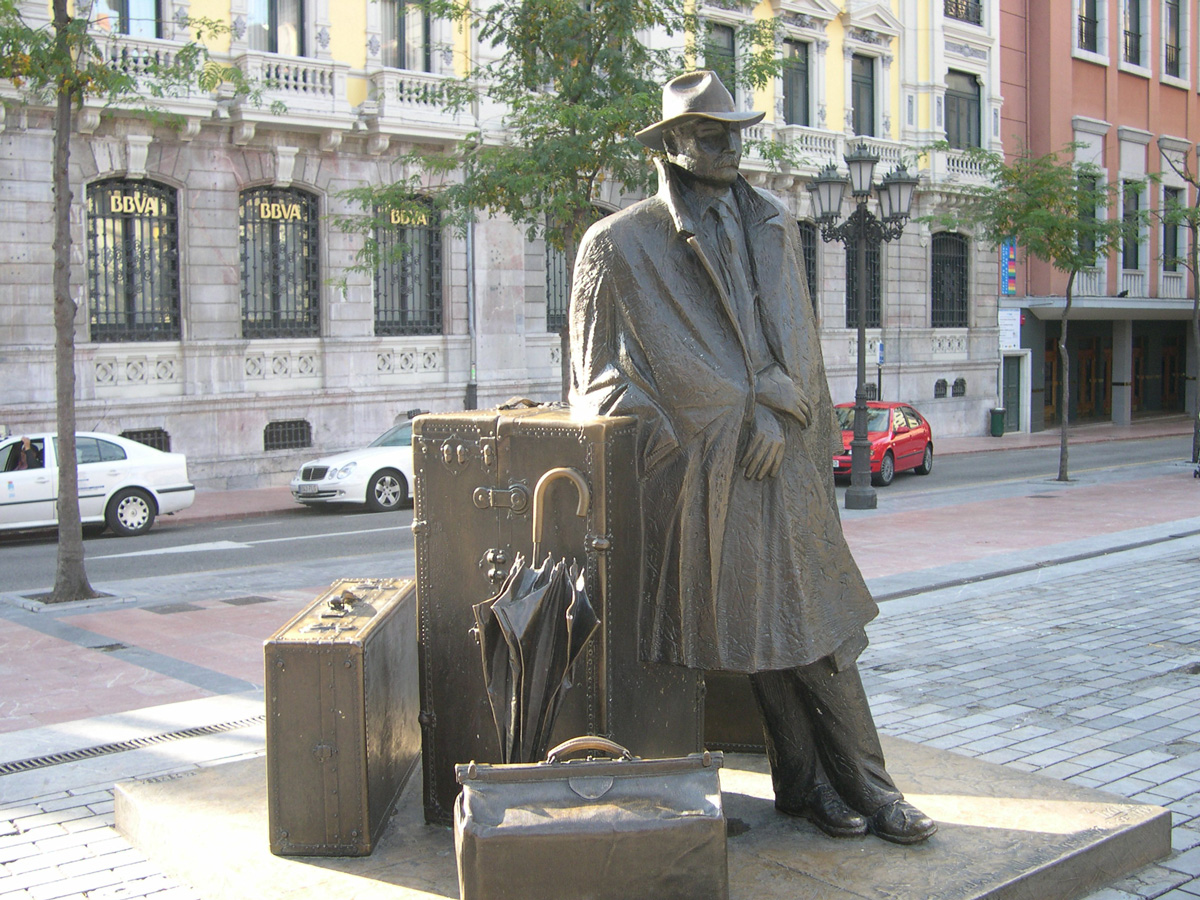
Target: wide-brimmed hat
696,95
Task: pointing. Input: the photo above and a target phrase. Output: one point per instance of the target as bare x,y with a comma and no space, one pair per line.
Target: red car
900,439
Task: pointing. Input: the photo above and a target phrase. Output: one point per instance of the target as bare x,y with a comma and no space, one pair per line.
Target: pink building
1121,79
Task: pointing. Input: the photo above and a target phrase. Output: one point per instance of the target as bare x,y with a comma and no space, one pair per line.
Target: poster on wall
1008,267
1009,321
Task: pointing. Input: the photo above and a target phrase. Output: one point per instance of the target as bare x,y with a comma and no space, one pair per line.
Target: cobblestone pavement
1087,671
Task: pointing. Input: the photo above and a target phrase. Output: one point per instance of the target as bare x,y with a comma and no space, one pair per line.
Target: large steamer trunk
476,473
342,706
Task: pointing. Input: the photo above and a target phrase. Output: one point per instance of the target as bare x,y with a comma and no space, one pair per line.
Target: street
305,547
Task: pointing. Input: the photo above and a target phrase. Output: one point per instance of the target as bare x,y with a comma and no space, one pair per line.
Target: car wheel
387,491
131,511
926,465
887,470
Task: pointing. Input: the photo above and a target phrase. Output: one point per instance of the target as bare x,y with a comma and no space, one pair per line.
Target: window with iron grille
1089,26
963,10
290,434
1172,37
1172,202
962,110
795,82
874,292
1131,242
276,26
408,280
808,243
281,286
140,18
960,388
948,290
558,289
151,437
939,389
1132,51
407,27
133,261
720,54
862,93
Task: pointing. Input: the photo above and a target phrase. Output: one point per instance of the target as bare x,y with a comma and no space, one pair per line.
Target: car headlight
344,471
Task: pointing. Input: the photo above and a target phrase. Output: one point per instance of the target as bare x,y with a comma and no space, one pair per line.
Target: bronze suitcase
342,704
732,721
475,475
601,829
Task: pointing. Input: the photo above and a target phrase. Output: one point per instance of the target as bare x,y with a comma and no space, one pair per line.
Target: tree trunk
70,578
1064,363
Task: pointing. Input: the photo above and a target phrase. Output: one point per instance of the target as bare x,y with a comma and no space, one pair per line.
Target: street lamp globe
861,163
899,186
827,188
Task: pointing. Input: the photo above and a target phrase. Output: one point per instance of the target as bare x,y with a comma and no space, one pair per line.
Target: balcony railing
1091,283
964,10
1172,285
1133,48
404,97
1089,38
301,85
1171,60
1133,283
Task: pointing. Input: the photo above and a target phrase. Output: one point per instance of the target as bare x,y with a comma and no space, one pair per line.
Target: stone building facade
217,309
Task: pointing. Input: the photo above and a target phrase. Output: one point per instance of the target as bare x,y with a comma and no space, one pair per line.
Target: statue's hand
764,453
775,390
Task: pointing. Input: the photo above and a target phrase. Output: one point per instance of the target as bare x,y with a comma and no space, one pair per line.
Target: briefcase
342,706
476,474
612,829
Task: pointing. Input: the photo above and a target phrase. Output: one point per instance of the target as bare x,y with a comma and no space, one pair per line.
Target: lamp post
860,230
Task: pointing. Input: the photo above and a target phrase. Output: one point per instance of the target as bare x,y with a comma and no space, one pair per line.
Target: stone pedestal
1004,835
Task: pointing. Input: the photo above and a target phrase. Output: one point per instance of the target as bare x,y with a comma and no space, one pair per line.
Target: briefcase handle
587,742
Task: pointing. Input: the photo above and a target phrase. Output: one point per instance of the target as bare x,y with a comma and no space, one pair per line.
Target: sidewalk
217,505
1051,628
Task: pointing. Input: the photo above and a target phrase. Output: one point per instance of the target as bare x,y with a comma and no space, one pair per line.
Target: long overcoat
740,575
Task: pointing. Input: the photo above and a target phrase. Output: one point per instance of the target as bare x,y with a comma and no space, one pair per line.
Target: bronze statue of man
691,311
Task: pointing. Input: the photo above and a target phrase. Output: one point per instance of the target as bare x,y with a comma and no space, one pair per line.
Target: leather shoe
901,823
828,811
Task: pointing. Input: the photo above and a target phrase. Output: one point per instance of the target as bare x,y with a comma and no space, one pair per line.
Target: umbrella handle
539,498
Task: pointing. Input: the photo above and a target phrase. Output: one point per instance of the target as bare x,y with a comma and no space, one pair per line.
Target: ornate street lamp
861,230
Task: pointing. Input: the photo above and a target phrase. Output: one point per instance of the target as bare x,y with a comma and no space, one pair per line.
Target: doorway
1013,392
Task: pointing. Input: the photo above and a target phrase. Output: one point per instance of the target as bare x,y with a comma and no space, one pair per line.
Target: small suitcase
614,829
342,707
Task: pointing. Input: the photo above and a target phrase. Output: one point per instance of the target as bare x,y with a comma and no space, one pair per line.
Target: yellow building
217,309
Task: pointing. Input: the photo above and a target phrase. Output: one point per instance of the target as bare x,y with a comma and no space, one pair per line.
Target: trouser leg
791,744
820,727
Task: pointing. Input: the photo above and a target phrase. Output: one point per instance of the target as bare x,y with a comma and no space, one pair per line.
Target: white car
379,475
122,484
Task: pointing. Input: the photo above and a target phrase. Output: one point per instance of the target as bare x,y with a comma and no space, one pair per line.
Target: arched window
281,271
874,292
408,280
963,110
948,276
133,261
808,243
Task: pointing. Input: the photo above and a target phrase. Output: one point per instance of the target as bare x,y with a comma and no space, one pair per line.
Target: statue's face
709,149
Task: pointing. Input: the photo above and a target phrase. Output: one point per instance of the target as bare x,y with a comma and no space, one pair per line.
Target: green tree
1058,210
1188,216
576,80
60,65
